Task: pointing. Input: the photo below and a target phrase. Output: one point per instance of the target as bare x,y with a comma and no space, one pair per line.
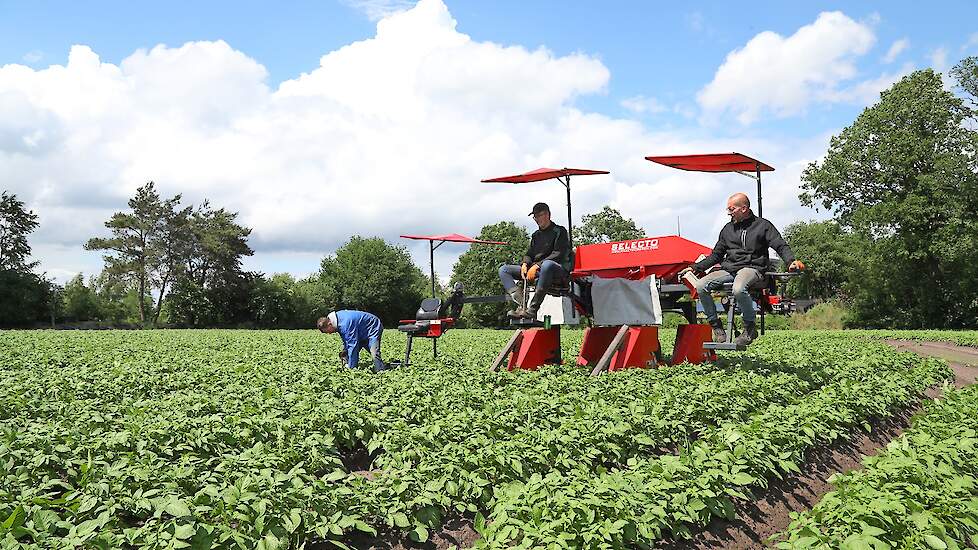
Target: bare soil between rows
769,513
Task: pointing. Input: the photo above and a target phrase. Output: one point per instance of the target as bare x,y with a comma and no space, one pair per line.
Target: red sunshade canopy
713,162
541,174
451,237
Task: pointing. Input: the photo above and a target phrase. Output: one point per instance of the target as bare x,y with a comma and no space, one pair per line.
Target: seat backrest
429,309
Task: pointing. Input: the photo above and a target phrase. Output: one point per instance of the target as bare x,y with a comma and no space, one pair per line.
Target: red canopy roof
713,162
541,174
451,237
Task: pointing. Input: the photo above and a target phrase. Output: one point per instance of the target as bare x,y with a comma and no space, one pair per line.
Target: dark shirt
744,244
551,243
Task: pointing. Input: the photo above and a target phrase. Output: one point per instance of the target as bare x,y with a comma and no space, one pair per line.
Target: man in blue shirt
358,330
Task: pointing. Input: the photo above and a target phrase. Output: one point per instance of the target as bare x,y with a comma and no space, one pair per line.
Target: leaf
419,534
935,542
401,520
177,508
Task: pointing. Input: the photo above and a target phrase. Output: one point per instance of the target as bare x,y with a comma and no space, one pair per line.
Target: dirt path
963,359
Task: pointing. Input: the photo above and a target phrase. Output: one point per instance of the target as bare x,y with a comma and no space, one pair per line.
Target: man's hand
531,274
343,359
684,271
523,270
796,265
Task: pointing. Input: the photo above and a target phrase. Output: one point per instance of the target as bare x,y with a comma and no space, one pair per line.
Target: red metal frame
538,346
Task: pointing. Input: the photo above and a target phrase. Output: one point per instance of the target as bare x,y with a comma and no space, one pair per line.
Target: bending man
358,330
742,252
547,259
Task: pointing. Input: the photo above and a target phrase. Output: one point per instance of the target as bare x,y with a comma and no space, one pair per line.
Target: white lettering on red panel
635,246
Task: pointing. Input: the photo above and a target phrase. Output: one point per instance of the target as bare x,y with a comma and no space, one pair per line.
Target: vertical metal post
570,235
434,347
431,250
760,204
760,213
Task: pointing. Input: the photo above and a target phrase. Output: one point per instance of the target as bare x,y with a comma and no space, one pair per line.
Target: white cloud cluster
388,135
784,75
895,50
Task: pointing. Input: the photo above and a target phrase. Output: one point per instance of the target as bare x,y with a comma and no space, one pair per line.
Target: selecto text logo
635,246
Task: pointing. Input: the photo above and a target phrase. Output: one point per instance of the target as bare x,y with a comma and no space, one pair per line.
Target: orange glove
796,265
531,274
523,270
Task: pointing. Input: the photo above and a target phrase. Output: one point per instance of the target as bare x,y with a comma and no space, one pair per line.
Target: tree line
900,183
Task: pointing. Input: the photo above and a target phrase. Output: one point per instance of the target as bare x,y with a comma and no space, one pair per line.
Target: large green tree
478,270
80,301
144,243
905,174
830,254
16,222
371,275
606,226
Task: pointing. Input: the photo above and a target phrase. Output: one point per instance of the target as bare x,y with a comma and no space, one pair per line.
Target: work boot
719,335
516,294
749,335
519,313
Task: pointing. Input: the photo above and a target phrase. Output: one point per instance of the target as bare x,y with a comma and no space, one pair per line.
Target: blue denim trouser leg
374,346
716,279
549,273
510,274
708,283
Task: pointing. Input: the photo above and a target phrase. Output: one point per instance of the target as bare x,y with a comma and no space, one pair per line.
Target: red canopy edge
541,174
712,162
451,237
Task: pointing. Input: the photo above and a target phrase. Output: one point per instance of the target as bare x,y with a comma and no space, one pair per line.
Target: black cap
539,207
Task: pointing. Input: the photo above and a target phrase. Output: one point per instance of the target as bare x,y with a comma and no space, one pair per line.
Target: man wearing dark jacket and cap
742,252
547,259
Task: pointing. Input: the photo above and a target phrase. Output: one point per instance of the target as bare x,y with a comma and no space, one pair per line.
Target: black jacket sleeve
528,257
715,257
561,247
777,242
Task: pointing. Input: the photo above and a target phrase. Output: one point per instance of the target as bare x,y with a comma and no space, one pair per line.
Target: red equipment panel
639,350
538,346
689,345
637,259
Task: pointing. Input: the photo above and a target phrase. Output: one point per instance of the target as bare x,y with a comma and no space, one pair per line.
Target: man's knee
740,290
502,270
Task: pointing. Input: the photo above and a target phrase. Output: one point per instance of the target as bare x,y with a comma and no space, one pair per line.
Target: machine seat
429,310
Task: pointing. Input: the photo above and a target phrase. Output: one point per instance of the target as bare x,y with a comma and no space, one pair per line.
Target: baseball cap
539,207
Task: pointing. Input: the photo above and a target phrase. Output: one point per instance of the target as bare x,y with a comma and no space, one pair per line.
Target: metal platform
724,346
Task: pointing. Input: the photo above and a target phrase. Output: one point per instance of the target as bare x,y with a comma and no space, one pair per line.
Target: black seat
430,307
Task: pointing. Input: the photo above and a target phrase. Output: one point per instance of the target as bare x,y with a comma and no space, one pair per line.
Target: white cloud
375,10
938,59
642,104
971,43
33,56
387,136
895,50
784,75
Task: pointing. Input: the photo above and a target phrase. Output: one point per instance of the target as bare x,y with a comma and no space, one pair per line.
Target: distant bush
824,316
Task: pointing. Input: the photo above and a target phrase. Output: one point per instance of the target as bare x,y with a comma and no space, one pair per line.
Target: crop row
920,492
242,439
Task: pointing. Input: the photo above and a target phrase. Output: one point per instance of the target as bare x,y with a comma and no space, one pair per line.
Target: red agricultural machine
624,288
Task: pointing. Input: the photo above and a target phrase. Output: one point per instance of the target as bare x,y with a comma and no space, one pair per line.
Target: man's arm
715,257
352,346
777,242
561,247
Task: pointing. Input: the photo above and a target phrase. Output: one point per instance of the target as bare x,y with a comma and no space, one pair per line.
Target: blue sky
644,66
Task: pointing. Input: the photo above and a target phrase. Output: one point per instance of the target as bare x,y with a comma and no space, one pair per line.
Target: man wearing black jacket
547,259
742,252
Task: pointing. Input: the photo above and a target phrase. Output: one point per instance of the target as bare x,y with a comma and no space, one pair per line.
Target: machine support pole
760,214
570,234
431,253
613,348
503,353
434,347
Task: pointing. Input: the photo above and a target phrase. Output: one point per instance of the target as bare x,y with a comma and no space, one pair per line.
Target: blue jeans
373,344
715,280
549,272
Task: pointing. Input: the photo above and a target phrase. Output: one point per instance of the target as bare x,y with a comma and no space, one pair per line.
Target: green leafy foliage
920,492
478,270
237,439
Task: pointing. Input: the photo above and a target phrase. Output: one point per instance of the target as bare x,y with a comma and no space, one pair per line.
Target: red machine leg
638,349
537,347
689,344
